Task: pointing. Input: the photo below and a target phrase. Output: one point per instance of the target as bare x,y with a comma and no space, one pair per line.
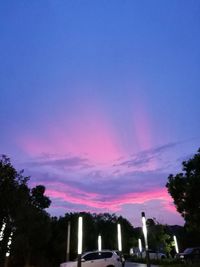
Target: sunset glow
100,101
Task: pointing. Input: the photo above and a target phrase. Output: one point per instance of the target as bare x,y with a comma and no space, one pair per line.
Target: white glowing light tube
176,244
144,228
140,245
99,243
119,235
80,234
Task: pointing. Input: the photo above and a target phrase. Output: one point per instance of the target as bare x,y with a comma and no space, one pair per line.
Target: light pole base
79,260
148,259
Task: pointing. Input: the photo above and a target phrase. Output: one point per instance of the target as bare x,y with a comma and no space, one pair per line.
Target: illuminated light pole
119,237
176,244
80,234
144,228
140,246
99,243
80,240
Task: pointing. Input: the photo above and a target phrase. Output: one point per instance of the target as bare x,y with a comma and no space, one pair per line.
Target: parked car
122,259
156,255
104,258
189,255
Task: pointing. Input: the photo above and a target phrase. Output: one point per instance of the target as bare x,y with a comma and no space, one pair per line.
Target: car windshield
117,252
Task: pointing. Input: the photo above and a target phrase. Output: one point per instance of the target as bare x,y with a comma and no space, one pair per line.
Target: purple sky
99,100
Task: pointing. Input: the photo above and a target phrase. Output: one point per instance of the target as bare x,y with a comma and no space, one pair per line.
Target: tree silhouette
22,209
184,188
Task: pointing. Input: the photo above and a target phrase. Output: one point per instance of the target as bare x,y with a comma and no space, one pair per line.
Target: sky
99,100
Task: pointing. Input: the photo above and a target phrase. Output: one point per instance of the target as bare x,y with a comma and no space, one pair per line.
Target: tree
32,225
38,199
184,188
107,227
13,194
22,209
128,235
13,190
158,238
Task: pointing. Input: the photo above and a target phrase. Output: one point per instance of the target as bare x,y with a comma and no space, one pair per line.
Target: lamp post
144,228
140,246
176,244
99,243
80,240
119,237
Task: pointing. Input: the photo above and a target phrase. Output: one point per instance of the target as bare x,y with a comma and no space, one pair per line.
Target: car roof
193,248
99,251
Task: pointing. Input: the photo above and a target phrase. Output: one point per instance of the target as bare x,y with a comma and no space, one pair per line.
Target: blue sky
100,100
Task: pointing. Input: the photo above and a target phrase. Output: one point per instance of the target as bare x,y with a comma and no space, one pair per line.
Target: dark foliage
184,188
22,211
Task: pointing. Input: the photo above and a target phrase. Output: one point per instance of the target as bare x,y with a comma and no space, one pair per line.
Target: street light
140,245
144,228
80,240
119,237
176,244
99,243
80,234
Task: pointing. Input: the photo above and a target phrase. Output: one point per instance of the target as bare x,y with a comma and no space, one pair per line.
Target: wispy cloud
67,162
147,159
76,183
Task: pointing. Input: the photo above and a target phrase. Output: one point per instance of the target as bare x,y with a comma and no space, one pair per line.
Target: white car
104,258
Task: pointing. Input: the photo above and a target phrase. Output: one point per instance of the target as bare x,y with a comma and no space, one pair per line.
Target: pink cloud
97,201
